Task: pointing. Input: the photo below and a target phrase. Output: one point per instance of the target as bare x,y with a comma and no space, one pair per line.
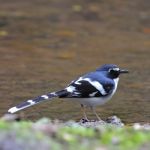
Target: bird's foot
84,120
101,121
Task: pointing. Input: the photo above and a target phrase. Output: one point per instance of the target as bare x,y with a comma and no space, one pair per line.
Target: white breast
116,84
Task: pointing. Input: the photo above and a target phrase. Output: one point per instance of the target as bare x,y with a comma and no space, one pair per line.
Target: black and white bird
92,89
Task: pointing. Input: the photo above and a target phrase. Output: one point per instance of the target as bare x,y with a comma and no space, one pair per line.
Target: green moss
81,131
58,136
4,125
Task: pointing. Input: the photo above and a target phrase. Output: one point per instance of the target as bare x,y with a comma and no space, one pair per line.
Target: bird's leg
93,109
84,113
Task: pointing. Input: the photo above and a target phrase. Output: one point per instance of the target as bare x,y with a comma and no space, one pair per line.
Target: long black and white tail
31,102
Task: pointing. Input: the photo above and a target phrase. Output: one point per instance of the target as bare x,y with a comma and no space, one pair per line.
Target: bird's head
111,70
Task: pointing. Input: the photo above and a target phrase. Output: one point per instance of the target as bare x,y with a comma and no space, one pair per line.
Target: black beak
124,71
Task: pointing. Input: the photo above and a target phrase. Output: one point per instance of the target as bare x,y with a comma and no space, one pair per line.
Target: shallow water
44,45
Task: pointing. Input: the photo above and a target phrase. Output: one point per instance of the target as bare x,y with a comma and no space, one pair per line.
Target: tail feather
37,100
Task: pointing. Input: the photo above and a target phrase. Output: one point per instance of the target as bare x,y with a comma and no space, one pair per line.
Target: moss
81,131
4,125
30,135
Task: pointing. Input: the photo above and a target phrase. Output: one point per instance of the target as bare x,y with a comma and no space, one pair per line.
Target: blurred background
44,44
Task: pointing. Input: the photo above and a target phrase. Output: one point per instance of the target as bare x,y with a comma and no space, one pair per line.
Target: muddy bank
45,44
57,135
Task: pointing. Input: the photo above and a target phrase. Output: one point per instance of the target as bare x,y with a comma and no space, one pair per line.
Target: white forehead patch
115,69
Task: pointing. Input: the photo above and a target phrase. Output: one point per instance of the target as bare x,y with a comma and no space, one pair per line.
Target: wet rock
115,121
138,126
91,123
71,123
11,117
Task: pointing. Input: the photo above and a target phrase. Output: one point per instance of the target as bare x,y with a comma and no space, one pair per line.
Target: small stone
11,117
115,121
137,126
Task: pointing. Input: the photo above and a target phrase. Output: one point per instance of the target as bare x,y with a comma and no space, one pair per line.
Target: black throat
113,74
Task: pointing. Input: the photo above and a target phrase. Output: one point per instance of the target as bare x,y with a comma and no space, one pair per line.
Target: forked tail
31,102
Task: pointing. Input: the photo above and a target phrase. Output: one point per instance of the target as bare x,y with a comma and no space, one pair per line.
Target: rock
115,121
11,117
138,126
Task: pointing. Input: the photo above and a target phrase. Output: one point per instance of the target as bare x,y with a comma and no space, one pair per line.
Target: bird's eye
110,70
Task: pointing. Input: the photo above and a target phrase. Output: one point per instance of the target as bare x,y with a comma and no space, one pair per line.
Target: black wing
86,88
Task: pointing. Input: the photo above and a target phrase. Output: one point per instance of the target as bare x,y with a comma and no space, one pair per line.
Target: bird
90,90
